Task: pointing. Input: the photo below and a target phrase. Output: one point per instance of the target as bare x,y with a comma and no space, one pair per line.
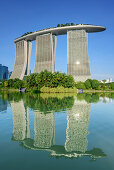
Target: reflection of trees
66,100
90,98
77,127
47,104
94,97
21,129
15,96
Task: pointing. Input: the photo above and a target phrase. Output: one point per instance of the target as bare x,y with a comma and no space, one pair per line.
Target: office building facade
3,72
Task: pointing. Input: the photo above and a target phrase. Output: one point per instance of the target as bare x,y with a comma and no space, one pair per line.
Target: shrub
6,84
59,89
55,79
112,86
94,84
88,84
80,85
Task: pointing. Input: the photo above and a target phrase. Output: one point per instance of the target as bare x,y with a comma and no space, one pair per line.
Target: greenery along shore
47,82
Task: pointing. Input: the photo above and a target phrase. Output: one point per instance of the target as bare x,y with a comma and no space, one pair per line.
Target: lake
56,131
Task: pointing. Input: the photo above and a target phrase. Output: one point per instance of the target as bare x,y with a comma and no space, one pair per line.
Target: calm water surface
56,131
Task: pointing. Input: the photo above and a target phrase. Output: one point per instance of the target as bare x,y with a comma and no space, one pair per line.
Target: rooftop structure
61,31
46,40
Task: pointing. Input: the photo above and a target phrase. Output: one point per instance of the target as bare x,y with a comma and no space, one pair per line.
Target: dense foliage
12,83
94,84
54,82
36,81
49,79
41,102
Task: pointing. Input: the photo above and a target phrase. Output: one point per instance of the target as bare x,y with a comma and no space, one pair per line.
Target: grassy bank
8,89
100,91
59,89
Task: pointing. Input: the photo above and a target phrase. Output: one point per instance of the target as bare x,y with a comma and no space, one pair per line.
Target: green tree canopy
94,84
80,85
88,84
112,86
49,79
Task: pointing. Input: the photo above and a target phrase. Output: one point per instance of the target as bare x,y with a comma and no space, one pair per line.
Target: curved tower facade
77,55
77,51
22,59
45,53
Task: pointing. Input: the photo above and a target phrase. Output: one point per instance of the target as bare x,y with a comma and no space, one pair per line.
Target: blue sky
20,16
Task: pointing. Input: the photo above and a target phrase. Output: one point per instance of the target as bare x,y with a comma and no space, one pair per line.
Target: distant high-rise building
107,81
3,72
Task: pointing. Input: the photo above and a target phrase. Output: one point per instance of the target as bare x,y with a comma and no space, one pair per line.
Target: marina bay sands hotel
46,40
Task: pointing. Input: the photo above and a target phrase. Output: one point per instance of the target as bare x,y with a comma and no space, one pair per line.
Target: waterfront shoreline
84,91
95,91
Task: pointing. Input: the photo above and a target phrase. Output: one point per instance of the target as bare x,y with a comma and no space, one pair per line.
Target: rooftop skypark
60,29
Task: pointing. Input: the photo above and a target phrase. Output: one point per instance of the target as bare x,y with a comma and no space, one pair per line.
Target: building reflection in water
21,128
44,131
3,104
77,127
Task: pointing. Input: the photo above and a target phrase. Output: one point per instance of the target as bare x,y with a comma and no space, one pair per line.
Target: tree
6,84
10,82
17,84
88,84
30,80
94,84
58,25
80,85
72,24
67,24
112,86
55,79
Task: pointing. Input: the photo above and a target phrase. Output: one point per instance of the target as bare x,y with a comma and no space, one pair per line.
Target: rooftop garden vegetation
26,33
70,24
67,24
58,25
